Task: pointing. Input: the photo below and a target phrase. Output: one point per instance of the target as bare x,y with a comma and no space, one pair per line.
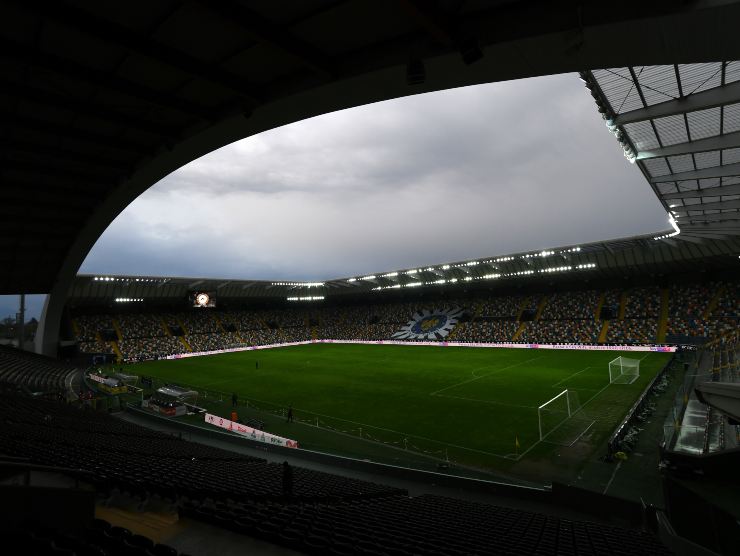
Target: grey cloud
433,178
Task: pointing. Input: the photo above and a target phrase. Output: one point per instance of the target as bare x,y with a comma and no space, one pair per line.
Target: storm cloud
427,179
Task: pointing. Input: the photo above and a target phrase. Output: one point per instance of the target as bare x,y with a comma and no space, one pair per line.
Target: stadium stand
496,330
35,372
320,514
100,538
580,331
571,305
695,313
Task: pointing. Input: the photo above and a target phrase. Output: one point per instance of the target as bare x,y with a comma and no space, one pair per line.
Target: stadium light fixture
306,298
129,299
674,225
299,284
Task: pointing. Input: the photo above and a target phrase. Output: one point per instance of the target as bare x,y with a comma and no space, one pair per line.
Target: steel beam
724,171
85,74
732,189
718,217
718,96
266,32
717,205
717,143
110,32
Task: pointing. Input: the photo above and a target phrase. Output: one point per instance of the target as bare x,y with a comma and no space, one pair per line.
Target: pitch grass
467,405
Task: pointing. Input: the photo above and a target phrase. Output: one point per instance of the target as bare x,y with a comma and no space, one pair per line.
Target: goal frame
539,411
633,370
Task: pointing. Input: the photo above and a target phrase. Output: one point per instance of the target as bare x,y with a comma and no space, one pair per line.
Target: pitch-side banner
249,432
584,347
597,347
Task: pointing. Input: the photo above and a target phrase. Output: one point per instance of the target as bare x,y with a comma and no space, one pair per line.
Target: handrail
622,427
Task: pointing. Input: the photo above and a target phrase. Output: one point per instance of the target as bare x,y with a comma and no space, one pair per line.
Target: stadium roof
101,100
610,259
681,124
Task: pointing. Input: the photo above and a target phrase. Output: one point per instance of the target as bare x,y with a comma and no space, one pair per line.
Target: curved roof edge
603,259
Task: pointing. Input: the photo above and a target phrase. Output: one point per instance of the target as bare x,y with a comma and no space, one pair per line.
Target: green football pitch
471,406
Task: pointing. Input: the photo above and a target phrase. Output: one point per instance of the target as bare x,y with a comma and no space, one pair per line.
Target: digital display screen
203,299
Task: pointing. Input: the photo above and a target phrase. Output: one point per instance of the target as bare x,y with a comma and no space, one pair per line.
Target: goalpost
561,420
624,370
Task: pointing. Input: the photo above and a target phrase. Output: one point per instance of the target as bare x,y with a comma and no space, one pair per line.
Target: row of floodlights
129,299
665,236
584,266
300,284
307,298
114,279
416,284
467,264
675,232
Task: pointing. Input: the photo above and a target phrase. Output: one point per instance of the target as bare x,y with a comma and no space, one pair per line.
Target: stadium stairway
713,302
117,328
522,306
599,305
541,307
185,343
116,350
622,305
166,328
604,332
219,323
663,322
158,521
519,331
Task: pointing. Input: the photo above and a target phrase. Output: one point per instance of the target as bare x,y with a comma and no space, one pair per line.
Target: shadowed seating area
318,513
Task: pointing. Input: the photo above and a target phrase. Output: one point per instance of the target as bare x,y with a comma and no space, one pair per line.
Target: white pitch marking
406,434
577,411
614,474
485,401
479,368
571,376
483,376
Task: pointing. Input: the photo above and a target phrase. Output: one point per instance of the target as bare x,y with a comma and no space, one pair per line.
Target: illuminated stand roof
681,125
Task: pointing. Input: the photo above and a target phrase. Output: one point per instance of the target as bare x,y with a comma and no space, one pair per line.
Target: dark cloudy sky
428,179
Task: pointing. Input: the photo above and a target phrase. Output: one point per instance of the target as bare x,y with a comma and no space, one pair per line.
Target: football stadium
574,399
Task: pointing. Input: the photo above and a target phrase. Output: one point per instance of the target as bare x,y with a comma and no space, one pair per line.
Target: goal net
561,419
624,370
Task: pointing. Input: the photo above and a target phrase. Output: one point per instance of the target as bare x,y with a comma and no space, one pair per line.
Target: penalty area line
571,376
404,434
491,402
483,376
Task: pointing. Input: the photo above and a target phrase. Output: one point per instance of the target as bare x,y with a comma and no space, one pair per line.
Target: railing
443,453
616,438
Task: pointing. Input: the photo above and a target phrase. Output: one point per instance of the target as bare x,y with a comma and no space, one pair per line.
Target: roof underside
100,100
681,124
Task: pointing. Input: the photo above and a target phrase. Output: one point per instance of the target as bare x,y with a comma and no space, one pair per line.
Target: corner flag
516,443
